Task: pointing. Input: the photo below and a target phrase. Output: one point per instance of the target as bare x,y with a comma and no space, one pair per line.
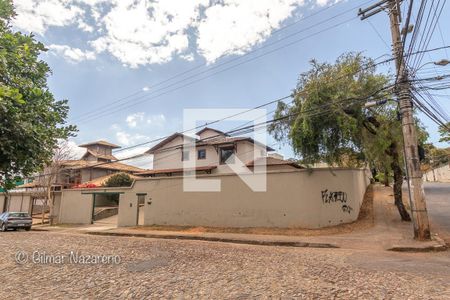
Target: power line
288,116
244,55
312,112
369,65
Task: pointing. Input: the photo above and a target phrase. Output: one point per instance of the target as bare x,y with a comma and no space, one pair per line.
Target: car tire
27,228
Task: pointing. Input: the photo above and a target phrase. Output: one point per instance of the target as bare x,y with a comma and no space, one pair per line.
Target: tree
53,175
445,133
435,157
31,120
328,122
119,180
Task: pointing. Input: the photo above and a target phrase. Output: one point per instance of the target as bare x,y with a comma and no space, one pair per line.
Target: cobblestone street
194,269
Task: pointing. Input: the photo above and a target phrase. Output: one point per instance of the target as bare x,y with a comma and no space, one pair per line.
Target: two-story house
97,162
212,152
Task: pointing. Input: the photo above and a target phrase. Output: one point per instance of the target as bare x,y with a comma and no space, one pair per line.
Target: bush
119,180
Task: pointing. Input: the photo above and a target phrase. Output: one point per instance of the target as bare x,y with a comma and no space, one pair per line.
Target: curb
39,229
216,239
439,247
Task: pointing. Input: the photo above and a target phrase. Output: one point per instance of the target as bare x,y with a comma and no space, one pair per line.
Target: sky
130,67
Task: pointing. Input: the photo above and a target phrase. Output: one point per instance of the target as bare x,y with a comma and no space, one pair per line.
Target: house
210,153
98,161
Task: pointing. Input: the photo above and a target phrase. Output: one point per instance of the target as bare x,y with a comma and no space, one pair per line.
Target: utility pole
403,93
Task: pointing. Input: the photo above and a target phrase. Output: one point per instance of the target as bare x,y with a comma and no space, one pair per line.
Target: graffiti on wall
333,197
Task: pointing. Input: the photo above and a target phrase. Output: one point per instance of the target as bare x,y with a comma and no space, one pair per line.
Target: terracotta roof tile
101,180
164,171
272,161
81,164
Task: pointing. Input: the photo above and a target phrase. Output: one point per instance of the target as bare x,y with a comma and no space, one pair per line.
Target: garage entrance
105,207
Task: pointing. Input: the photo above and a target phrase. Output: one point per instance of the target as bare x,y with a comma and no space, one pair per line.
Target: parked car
15,220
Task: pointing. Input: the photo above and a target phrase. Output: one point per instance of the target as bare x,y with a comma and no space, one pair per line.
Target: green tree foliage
435,157
119,180
445,133
323,122
31,120
328,122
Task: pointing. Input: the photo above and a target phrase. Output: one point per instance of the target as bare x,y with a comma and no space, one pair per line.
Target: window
185,155
225,154
201,154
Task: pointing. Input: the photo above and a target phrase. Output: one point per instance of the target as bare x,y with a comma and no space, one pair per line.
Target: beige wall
171,159
168,159
75,208
441,174
57,204
2,202
100,149
292,199
128,211
19,203
90,174
210,133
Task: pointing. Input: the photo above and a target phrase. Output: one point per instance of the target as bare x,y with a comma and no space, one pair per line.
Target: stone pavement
157,268
388,232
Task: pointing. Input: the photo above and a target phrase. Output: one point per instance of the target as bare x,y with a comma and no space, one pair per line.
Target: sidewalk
387,233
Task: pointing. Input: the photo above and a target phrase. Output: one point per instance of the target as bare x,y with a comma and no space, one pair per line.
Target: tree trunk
386,177
398,181
50,206
44,204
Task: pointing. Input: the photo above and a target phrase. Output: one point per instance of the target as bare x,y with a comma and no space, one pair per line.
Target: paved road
153,268
438,204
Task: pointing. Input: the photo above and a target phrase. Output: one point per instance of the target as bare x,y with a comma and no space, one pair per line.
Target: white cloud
144,32
140,119
322,2
75,151
37,16
234,26
157,120
73,55
134,119
145,161
84,26
129,139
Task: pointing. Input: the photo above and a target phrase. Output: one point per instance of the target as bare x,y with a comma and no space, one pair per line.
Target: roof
230,140
98,155
272,161
165,171
83,164
32,184
101,180
207,141
103,143
212,129
166,141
